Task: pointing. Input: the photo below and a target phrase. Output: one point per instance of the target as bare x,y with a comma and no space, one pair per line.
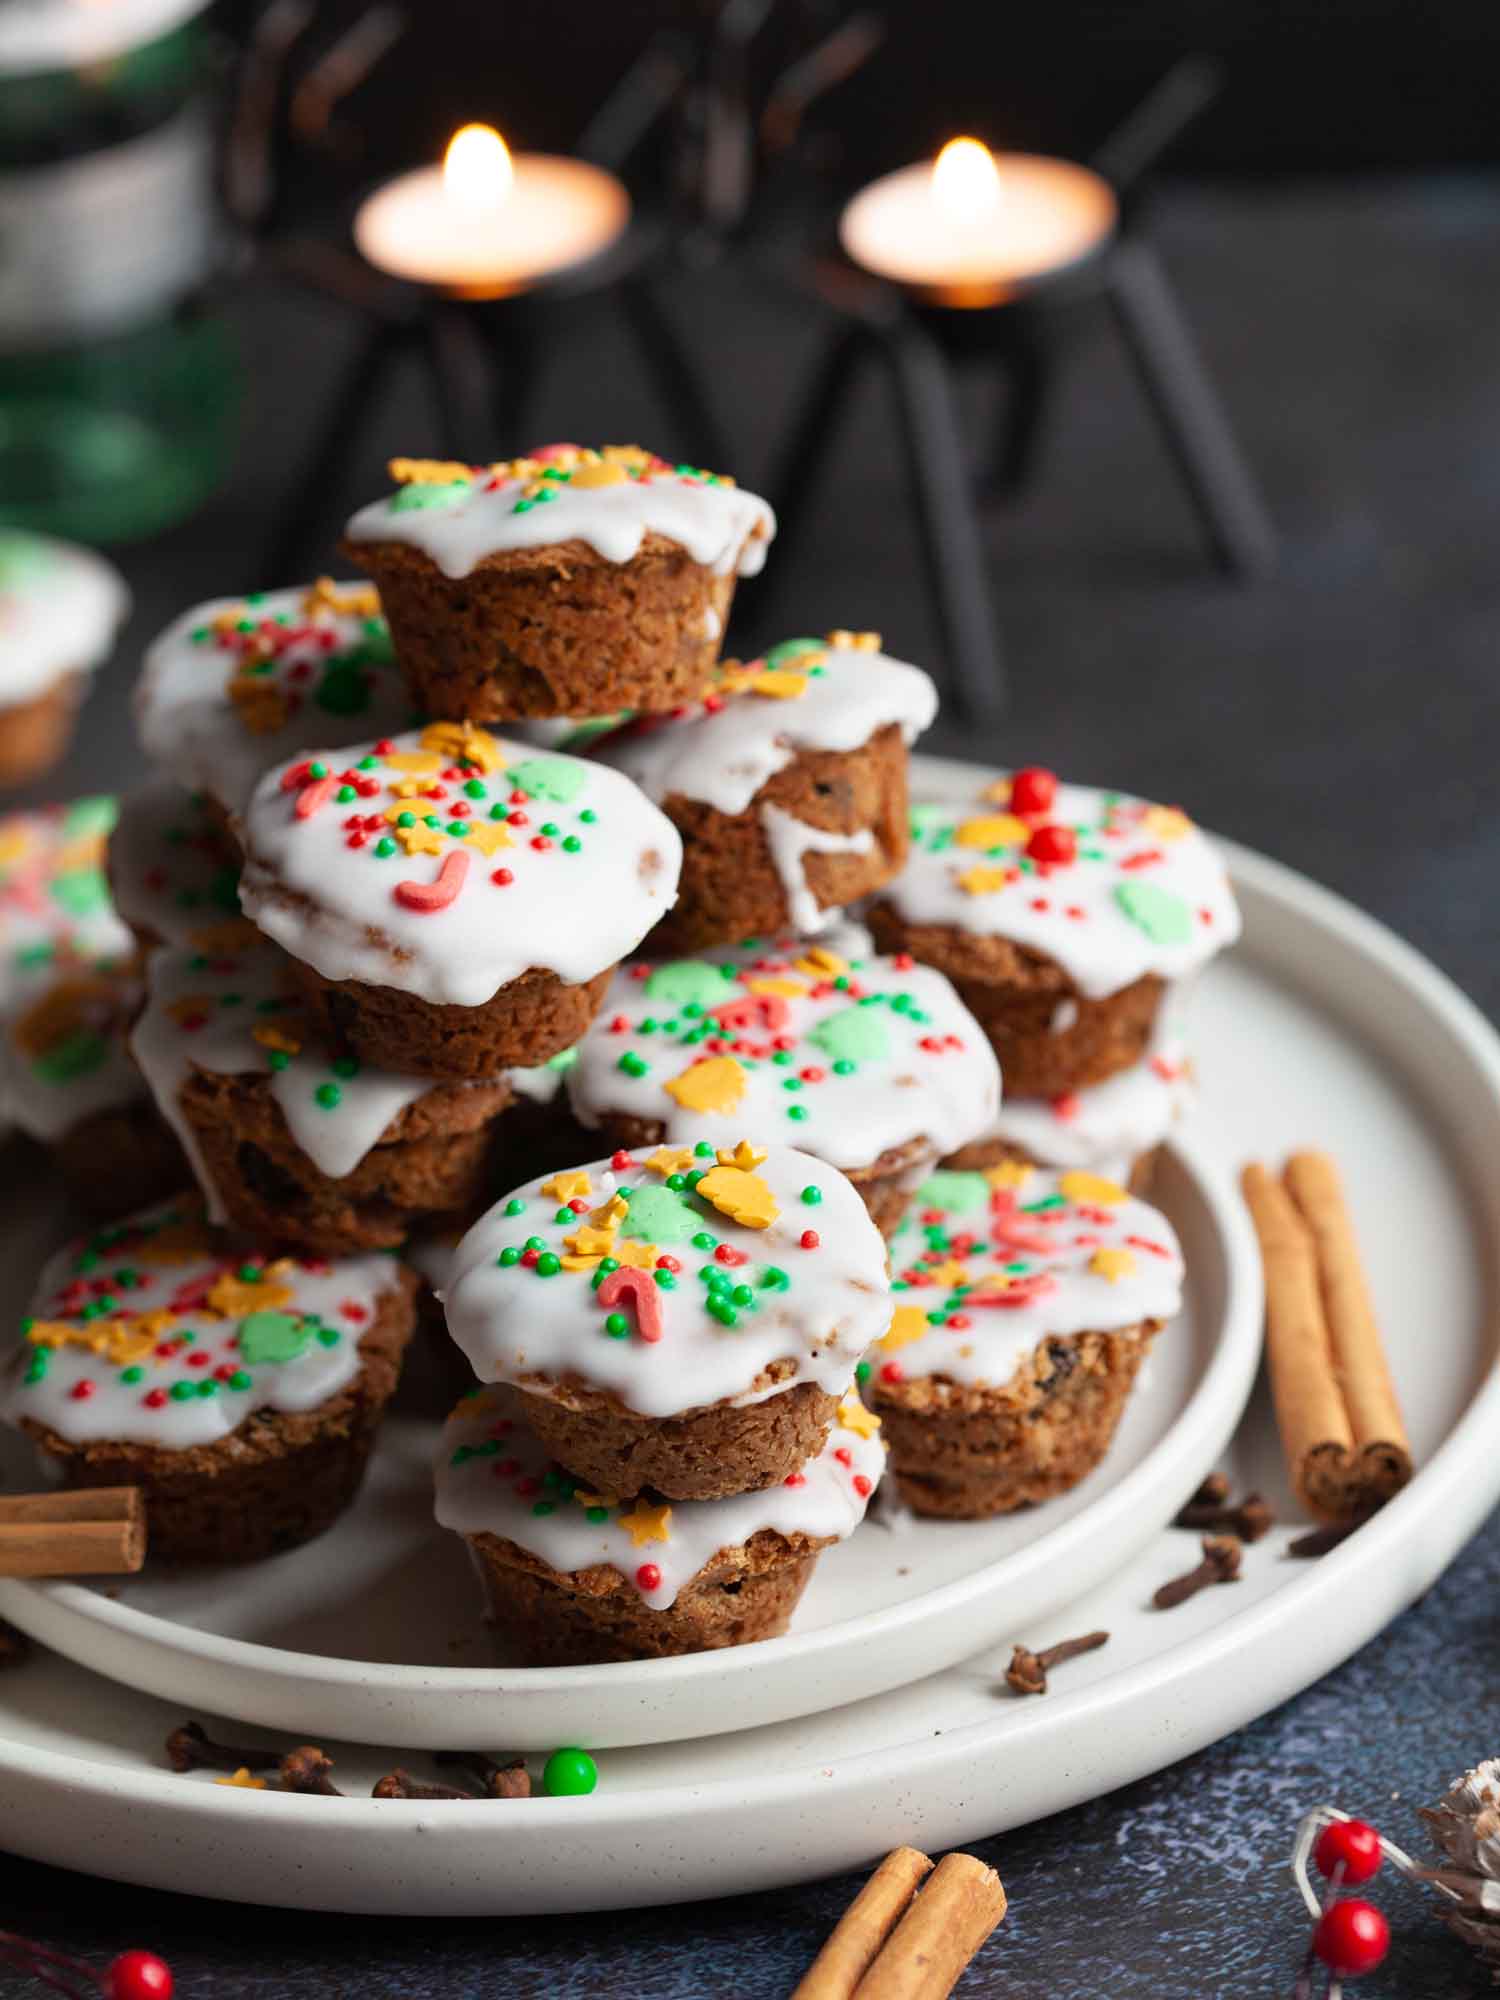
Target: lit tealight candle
488,223
971,229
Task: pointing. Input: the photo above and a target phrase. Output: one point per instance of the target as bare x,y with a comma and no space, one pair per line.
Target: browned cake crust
885,1186
1015,994
551,1620
966,1453
35,734
432,1157
730,887
281,1478
987,1153
531,1019
704,1454
120,1159
551,631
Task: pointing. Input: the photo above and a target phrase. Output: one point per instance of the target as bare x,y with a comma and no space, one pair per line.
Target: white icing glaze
55,909
457,524
723,751
170,1266
1039,1239
490,1475
65,1058
573,906
845,1057
789,841
60,608
1129,853
202,1011
167,870
516,1325
302,671
1107,1127
541,1084
431,1255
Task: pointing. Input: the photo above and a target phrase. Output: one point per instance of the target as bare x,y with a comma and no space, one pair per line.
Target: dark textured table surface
1341,716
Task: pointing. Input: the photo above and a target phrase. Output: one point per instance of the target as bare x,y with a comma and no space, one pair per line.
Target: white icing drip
724,528
479,1496
87,1071
167,871
1102,949
188,723
344,1295
516,1326
1105,1128
60,608
432,1256
789,840
573,913
184,987
724,755
898,1090
541,1084
1051,1249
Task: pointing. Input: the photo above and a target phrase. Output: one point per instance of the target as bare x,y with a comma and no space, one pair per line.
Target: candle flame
965,181
477,169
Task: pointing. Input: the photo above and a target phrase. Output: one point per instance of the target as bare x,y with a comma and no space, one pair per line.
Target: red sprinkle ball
1032,790
648,1577
810,1239
1054,846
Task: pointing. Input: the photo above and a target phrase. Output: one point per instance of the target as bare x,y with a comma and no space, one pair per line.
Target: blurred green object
119,385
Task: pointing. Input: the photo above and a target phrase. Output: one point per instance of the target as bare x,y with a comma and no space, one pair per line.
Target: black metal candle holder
922,345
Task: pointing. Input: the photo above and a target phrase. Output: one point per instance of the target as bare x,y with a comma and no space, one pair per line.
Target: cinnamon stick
84,1531
944,1927
1324,1384
864,1927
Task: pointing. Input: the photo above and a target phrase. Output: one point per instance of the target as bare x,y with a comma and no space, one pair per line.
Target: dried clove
191,1748
1250,1520
400,1784
1318,1541
510,1780
306,1770
1220,1564
1212,1493
1027,1672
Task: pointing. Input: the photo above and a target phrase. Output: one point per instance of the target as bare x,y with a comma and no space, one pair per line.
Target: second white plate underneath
374,1630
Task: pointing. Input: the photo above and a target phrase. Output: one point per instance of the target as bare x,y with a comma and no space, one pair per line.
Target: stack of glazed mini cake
494,865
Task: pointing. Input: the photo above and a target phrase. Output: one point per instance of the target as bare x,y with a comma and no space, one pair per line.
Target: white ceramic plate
1322,1028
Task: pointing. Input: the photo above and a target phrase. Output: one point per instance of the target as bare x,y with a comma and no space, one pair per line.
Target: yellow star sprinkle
573,1184
777,684
589,1244
908,1323
604,473
420,763
465,740
854,642
177,1243
717,1083
421,838
352,600
744,1197
1112,1262
648,1523
744,1155
1167,823
428,471
1010,1174
983,881
404,788
639,1256
670,1160
271,1037
953,1271
990,1286
1091,1188
258,703
992,830
233,1296
610,1214
488,835
853,1416
818,962
595,1499
784,989
244,1780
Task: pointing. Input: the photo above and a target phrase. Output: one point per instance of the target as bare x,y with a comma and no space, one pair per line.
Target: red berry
1355,1843
140,1975
1033,790
648,1576
1351,1938
1055,844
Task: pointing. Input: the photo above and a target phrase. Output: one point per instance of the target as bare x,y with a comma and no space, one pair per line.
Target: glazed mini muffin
1062,914
570,582
238,684
67,1079
872,1064
171,875
292,1140
573,1577
1115,1129
1025,1304
687,1322
55,908
451,903
787,782
61,608
239,1390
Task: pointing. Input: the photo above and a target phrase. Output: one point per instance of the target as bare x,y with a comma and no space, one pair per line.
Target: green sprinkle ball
569,1774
